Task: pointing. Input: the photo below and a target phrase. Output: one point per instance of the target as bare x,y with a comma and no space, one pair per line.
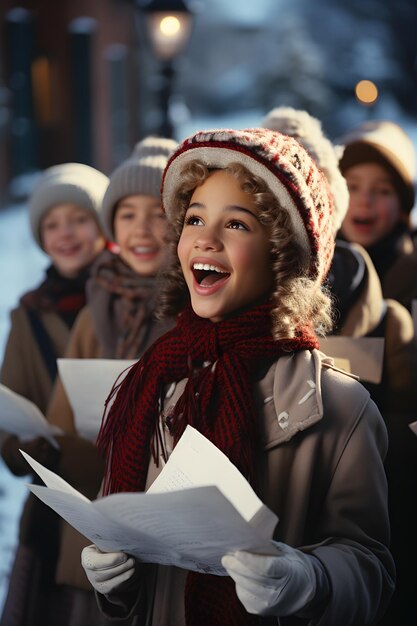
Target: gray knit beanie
308,131
74,183
140,174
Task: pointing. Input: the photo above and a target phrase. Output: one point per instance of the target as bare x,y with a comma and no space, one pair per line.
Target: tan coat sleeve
83,344
400,357
80,462
23,369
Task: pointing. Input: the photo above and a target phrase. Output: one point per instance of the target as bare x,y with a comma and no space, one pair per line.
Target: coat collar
293,386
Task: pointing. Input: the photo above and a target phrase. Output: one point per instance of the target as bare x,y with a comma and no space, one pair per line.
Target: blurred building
68,81
81,80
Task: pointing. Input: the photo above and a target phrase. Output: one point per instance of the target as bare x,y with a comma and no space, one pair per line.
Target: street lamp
168,26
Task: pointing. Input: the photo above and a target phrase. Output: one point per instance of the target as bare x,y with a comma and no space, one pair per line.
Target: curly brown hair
298,300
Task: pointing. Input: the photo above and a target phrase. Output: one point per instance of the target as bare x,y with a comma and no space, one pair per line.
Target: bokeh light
366,92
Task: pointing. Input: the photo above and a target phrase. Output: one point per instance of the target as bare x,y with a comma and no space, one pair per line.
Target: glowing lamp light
168,24
169,33
366,92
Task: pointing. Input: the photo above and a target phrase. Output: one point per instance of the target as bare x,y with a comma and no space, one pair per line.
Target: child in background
360,309
362,312
378,163
63,210
117,322
251,243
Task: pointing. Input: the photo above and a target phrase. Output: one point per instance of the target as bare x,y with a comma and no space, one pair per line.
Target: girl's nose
141,224
66,229
366,197
208,240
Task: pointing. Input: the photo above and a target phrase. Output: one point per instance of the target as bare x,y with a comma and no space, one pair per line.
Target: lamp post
168,27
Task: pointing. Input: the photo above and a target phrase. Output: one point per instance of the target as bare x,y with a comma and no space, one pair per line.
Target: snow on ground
21,268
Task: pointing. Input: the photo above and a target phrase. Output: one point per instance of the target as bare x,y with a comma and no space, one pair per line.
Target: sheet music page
88,383
174,523
21,417
191,528
196,462
413,427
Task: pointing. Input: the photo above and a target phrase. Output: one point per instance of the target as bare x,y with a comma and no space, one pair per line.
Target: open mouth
207,275
364,221
68,250
143,250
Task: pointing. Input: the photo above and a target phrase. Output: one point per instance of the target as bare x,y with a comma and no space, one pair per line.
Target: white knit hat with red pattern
289,171
308,131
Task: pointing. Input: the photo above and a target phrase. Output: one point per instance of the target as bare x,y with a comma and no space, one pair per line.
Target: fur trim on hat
73,183
308,131
387,143
290,173
140,174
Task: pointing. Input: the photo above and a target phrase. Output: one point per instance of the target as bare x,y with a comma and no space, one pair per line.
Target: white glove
273,585
106,571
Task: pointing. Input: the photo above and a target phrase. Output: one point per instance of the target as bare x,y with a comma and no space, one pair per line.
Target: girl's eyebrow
227,208
383,178
126,205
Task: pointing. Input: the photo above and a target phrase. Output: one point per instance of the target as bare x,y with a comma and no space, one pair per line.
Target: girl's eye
193,220
82,219
385,191
49,225
125,215
160,215
236,225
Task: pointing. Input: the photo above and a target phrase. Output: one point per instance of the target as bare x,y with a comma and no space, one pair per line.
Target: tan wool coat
23,369
320,469
80,463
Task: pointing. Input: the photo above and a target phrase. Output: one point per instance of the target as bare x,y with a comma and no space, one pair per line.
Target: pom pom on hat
308,131
73,183
383,142
140,174
289,171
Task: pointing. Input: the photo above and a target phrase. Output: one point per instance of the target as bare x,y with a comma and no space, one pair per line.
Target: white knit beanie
73,183
384,142
308,131
140,174
291,174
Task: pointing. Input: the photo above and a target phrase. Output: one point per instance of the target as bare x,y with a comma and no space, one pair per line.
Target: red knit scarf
220,361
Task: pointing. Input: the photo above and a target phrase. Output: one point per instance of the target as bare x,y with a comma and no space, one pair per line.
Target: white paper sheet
21,417
413,427
173,523
88,383
196,462
365,355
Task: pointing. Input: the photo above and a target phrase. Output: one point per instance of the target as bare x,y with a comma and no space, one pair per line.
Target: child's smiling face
224,250
71,238
374,204
139,230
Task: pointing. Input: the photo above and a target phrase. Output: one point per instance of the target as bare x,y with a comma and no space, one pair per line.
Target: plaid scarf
122,304
63,296
220,361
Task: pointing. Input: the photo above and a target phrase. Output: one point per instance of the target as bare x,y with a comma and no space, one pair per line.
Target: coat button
283,419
